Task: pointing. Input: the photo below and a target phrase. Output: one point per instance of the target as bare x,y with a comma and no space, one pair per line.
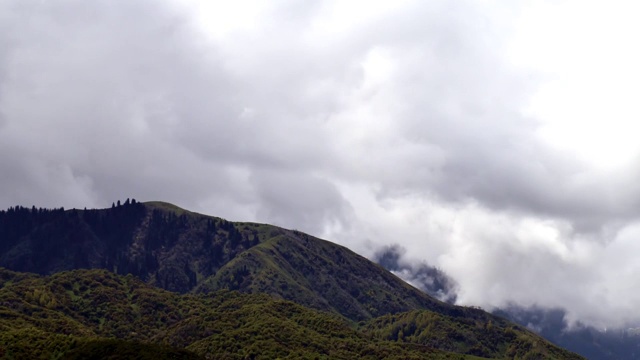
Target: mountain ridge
198,255
183,251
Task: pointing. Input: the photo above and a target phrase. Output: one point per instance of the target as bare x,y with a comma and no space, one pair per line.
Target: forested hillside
74,314
159,281
181,251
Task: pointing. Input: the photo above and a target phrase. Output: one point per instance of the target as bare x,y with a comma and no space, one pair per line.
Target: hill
181,251
93,313
592,343
199,256
321,275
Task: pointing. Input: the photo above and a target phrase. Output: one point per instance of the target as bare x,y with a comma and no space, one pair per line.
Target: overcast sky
496,140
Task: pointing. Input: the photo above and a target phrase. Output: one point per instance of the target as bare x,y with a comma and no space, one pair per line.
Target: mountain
321,275
93,313
88,313
182,251
618,344
199,256
429,279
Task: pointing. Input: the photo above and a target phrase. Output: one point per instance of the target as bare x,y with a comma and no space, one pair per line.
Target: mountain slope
472,331
158,242
72,315
592,343
181,251
322,275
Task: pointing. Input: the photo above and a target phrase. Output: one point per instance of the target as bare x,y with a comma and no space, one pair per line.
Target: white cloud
487,144
586,52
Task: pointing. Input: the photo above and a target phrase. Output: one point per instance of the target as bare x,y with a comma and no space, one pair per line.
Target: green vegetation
94,313
166,246
181,251
472,331
90,314
169,283
320,275
33,343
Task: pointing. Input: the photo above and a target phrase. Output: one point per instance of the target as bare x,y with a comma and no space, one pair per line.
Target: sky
494,140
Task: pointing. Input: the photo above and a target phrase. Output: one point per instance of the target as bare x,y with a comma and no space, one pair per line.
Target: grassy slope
321,275
471,332
176,249
71,314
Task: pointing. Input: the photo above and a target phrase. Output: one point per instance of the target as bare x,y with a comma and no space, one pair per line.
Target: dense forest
85,313
151,280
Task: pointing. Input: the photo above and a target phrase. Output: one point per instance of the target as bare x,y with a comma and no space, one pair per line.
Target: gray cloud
298,200
372,127
423,276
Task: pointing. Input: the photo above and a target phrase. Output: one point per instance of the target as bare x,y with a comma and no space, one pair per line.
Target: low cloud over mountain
426,278
487,145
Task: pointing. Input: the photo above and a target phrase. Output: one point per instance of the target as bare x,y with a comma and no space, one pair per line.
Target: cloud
96,92
416,124
423,276
310,202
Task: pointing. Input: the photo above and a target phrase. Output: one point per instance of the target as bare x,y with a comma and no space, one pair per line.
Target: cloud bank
448,127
